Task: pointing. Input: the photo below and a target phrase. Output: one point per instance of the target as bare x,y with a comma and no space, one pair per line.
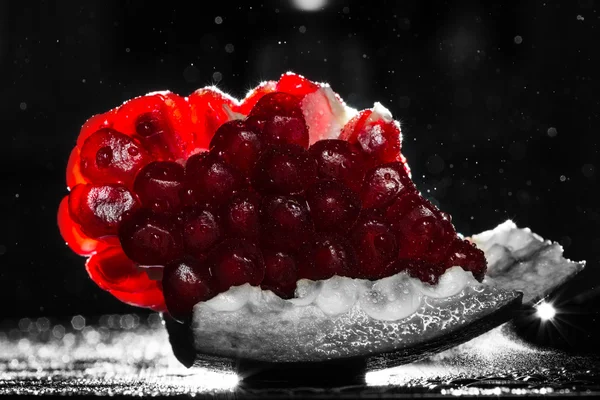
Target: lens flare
545,311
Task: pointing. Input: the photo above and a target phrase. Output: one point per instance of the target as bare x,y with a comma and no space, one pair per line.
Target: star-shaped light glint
545,311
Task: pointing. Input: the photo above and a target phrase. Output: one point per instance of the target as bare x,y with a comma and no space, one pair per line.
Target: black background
499,104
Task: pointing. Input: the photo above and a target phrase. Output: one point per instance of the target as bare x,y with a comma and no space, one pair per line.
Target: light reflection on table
131,355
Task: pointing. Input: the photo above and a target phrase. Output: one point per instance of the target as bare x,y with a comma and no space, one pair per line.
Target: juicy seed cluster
261,205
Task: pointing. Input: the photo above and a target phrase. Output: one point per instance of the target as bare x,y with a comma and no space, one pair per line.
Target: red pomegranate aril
111,269
72,234
339,160
285,223
256,124
421,230
375,246
425,271
324,256
277,103
158,185
150,124
94,124
98,209
151,239
278,117
185,283
281,273
383,184
296,85
208,112
151,298
238,145
201,231
254,96
333,207
108,156
350,131
285,169
285,130
248,201
464,254
211,180
155,133
235,262
241,216
160,121
377,138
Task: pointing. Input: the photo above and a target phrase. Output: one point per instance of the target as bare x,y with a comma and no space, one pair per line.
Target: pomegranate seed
74,175
186,283
109,156
343,207
208,112
464,254
375,245
71,232
286,222
151,239
383,184
99,208
286,169
280,274
94,124
241,216
324,256
158,185
235,262
151,298
237,145
211,180
333,207
296,85
154,132
278,117
161,122
201,231
286,130
421,230
277,103
254,96
339,160
377,138
111,269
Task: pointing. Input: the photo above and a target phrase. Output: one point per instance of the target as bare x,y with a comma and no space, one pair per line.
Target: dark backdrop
499,104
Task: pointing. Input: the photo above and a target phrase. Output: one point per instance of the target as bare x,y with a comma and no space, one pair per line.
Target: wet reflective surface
129,355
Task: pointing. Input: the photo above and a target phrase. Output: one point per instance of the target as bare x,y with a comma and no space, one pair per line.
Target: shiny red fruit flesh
286,169
98,209
235,262
186,283
151,239
158,185
281,273
224,193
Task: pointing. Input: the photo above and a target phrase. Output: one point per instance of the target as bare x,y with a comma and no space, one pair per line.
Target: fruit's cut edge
181,337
